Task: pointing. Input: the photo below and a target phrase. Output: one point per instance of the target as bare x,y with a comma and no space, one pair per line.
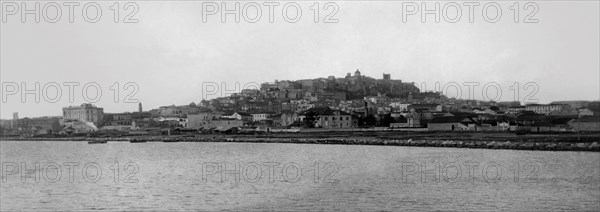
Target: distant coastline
487,140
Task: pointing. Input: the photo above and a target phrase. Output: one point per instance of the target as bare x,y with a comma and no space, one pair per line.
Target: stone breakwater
559,146
517,145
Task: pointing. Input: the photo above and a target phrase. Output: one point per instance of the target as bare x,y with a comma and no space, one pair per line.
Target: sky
171,56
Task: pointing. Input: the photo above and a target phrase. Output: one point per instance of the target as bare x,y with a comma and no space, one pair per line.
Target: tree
368,120
386,120
311,118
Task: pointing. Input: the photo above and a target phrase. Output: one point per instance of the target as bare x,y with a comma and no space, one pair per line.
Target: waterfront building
196,121
450,123
325,117
84,112
124,120
285,118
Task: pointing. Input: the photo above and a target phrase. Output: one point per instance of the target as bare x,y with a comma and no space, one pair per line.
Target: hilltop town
350,103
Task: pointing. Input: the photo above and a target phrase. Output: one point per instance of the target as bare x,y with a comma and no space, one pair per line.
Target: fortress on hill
349,87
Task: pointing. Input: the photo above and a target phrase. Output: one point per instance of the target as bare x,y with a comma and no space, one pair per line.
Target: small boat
97,142
168,140
137,141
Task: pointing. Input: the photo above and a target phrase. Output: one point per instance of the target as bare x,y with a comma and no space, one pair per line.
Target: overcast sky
170,52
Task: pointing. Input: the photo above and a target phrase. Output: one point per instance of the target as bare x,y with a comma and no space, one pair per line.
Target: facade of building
304,106
84,112
260,116
574,104
174,121
245,117
198,122
449,123
429,107
126,121
285,118
328,118
548,109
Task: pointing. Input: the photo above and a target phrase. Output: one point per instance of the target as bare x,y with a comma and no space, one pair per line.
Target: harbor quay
481,140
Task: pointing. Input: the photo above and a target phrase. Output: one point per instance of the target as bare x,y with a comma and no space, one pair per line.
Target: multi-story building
325,117
119,119
285,118
84,112
549,108
573,104
259,116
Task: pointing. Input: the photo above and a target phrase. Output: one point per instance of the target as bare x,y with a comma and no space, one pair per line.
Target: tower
13,122
140,107
387,76
357,73
387,79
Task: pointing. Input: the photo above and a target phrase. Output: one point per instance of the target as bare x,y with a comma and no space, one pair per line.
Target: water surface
186,176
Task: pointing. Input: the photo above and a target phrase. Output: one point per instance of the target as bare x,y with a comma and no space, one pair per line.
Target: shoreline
541,142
